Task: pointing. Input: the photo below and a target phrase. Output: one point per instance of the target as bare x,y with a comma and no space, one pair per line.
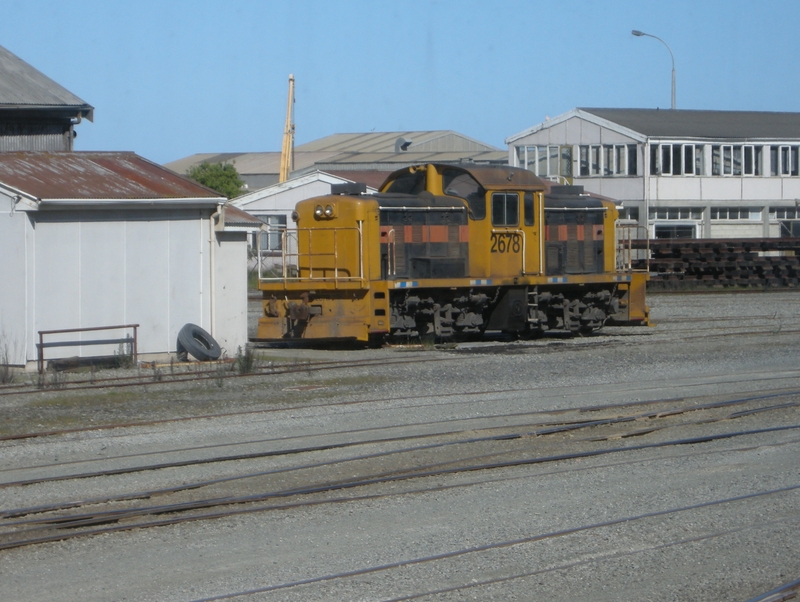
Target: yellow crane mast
288,135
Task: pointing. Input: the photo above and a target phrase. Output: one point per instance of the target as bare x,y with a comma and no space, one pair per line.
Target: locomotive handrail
391,268
287,266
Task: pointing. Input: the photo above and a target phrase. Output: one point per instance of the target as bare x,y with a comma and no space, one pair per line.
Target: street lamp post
638,33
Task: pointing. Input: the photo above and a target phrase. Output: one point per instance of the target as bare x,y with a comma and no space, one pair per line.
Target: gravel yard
648,464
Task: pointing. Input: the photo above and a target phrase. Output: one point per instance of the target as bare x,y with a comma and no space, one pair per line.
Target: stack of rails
721,263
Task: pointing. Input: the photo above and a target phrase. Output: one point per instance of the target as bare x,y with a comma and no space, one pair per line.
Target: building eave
165,203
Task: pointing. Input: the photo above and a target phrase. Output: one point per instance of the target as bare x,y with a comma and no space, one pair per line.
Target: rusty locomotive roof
92,176
491,177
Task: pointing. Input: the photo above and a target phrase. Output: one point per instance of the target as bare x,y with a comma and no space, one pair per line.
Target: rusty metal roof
97,176
24,87
236,217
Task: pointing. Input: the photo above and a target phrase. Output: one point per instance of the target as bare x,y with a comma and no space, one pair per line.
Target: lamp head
636,32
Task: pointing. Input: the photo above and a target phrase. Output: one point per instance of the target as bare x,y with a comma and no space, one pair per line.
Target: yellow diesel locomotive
449,250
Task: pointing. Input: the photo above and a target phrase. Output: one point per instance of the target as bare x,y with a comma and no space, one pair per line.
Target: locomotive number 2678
506,242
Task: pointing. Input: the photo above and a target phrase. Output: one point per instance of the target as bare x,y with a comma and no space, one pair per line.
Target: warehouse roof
679,123
704,124
80,177
388,142
357,151
24,87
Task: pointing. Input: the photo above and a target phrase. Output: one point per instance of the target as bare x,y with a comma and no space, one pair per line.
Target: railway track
785,592
610,464
420,458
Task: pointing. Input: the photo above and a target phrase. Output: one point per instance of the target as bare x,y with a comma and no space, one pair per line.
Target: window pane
737,160
541,161
498,209
566,161
676,160
727,160
666,159
584,160
512,210
552,164
716,161
699,161
619,159
608,160
688,159
505,209
457,183
748,161
632,156
529,220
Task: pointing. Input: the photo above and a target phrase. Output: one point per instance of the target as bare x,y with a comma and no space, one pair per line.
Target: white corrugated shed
100,239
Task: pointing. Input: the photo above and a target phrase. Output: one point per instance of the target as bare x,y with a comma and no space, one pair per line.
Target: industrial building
680,173
363,157
98,239
36,113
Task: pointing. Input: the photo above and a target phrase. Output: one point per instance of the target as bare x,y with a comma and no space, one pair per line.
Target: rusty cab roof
491,177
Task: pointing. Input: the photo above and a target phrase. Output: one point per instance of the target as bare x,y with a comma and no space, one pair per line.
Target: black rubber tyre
198,343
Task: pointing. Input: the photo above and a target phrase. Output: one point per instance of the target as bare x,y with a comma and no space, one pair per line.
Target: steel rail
146,380
787,591
190,376
74,522
497,545
613,556
547,428
748,377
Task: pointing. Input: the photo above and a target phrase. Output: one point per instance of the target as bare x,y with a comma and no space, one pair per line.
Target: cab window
505,209
528,203
458,183
408,183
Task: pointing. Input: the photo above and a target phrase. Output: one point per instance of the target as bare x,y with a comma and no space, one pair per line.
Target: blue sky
170,78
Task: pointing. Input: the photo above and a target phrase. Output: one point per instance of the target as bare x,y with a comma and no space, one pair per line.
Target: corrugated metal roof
247,163
236,217
96,175
23,86
679,123
410,157
384,142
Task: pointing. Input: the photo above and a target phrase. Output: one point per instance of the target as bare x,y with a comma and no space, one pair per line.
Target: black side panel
511,312
423,243
574,241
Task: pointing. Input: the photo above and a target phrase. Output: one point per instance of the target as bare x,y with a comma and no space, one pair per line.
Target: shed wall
108,268
13,284
230,288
